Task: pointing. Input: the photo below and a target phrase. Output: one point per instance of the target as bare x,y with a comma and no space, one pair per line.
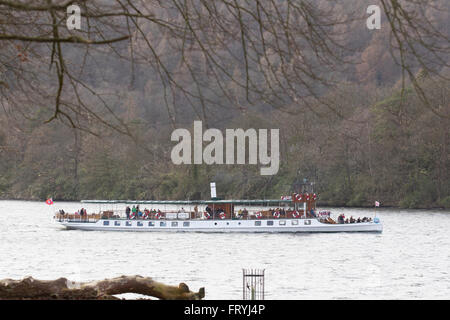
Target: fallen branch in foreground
63,289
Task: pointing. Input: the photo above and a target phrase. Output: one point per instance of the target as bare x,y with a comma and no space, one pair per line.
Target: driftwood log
64,289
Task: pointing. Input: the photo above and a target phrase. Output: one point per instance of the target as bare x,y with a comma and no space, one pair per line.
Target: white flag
213,190
377,204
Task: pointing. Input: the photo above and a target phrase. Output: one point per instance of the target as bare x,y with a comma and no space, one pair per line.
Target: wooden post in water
253,284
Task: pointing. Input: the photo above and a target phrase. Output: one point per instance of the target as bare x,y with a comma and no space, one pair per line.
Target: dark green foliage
384,149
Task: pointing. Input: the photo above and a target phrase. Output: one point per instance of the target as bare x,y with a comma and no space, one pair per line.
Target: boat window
294,222
140,224
282,222
117,223
186,224
106,223
128,224
257,223
307,222
162,224
174,224
151,224
270,223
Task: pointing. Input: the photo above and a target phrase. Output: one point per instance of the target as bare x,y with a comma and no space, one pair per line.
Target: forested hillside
361,131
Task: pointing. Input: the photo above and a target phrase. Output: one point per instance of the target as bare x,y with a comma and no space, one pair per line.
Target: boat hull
211,226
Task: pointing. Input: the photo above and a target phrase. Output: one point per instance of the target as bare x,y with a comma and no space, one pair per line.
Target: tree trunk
62,288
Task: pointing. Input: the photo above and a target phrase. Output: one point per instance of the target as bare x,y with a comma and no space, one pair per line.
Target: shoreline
318,204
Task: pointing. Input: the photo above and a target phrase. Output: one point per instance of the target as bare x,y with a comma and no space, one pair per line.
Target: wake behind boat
296,213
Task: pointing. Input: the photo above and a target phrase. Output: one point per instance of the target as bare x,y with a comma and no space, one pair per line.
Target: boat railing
191,215
95,218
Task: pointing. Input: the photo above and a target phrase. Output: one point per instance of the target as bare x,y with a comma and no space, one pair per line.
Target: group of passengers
280,212
342,219
214,214
82,213
136,213
242,213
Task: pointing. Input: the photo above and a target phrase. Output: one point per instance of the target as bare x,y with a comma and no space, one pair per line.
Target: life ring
298,196
222,215
145,215
158,215
258,215
307,197
314,196
276,214
132,215
207,215
295,214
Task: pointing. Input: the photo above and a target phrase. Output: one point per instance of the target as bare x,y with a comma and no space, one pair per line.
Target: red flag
49,201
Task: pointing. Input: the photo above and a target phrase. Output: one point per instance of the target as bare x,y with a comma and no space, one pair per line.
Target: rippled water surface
409,260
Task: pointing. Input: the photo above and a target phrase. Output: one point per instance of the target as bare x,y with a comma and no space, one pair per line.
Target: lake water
409,260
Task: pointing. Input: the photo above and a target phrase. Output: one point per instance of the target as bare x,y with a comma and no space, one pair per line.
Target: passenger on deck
346,220
341,219
358,220
127,212
307,215
329,220
218,212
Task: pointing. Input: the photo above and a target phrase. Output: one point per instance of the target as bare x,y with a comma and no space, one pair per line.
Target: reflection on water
409,260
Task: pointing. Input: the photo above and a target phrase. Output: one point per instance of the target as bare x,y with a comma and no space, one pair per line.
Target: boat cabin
298,205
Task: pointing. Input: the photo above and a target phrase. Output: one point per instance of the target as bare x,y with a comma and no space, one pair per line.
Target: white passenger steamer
298,214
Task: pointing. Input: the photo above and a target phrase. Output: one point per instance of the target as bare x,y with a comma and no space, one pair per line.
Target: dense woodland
364,134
